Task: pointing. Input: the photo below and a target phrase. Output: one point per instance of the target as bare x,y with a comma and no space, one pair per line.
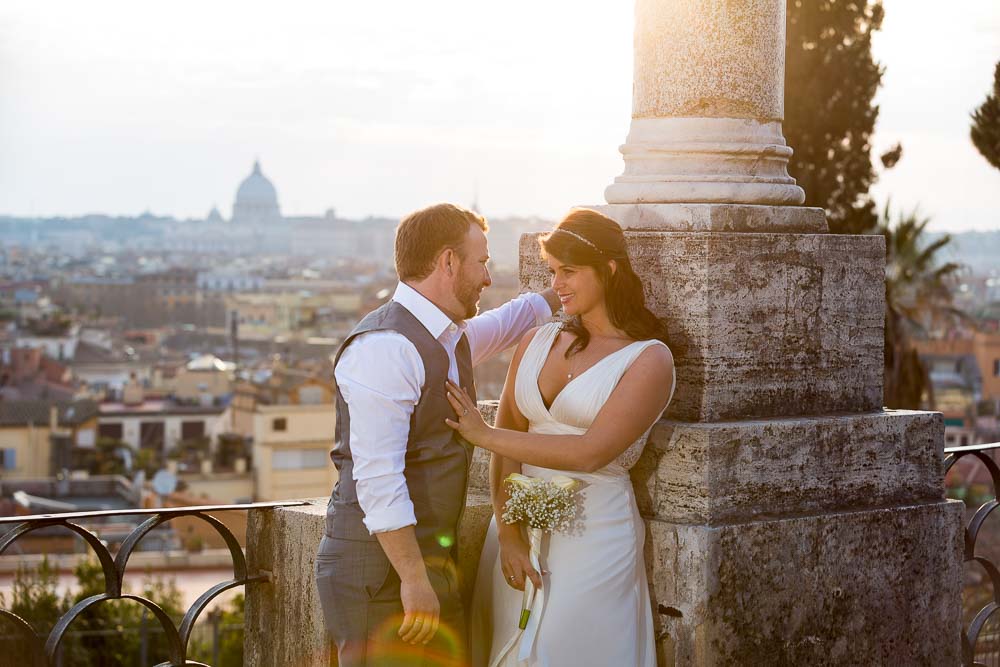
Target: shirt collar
429,315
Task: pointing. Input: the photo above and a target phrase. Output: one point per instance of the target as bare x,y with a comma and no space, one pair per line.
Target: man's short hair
423,235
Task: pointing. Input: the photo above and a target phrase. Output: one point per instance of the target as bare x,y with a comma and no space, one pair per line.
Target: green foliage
918,298
110,633
106,460
231,648
34,597
830,83
229,622
191,450
985,131
148,460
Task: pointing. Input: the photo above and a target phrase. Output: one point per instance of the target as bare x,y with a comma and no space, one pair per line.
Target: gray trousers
359,592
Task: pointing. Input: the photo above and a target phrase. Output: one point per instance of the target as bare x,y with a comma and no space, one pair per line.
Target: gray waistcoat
437,461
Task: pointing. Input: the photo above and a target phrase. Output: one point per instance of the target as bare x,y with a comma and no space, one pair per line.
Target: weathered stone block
874,587
471,535
284,620
479,471
761,325
736,471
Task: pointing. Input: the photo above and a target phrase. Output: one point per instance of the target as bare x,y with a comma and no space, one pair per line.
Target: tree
33,598
830,82
985,131
108,634
229,622
114,632
918,297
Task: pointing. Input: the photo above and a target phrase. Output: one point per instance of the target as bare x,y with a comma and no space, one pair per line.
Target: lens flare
446,649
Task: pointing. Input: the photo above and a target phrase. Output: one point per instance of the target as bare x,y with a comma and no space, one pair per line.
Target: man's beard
468,296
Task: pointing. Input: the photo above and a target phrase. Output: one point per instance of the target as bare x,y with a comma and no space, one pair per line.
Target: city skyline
119,109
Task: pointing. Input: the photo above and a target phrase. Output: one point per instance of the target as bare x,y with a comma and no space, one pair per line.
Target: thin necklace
569,376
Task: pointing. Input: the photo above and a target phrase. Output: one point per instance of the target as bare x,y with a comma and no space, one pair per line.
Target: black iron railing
44,651
977,647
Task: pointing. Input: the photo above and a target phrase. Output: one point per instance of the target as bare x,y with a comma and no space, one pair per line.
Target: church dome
256,199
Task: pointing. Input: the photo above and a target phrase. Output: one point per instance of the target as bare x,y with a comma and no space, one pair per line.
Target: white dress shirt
380,375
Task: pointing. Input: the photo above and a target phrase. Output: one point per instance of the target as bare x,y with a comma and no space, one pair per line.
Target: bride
579,400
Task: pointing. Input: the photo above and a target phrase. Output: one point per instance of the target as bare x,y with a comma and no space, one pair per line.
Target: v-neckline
548,351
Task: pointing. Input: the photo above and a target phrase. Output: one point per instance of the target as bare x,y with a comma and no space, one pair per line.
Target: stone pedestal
795,541
868,587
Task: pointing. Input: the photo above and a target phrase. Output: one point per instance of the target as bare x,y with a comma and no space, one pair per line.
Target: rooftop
158,407
22,413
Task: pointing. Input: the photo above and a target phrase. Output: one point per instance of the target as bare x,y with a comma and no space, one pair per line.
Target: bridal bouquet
544,506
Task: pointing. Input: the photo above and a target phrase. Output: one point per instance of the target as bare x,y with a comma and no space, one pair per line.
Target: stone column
707,105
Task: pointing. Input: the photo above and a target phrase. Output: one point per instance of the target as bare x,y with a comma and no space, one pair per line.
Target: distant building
289,418
26,299
270,315
228,280
205,380
58,341
331,237
158,425
28,373
105,371
145,300
965,376
37,438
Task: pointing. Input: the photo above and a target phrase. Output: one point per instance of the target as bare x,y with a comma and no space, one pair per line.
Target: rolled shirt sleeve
379,376
496,330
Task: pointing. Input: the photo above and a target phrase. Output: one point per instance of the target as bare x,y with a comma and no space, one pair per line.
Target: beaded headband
579,238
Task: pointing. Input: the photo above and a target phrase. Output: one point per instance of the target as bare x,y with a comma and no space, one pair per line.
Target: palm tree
918,299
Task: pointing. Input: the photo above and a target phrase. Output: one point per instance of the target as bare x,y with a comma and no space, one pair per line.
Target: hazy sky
382,107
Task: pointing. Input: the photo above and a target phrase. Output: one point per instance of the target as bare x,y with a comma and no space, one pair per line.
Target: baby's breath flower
539,503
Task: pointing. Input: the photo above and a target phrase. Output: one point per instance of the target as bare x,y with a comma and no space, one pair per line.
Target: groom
386,569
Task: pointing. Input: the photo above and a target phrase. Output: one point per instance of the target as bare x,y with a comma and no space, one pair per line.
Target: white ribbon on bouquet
527,626
532,600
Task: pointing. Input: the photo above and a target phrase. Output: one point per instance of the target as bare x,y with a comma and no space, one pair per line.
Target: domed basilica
256,200
258,226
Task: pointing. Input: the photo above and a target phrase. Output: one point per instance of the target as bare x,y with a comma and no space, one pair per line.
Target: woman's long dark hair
587,238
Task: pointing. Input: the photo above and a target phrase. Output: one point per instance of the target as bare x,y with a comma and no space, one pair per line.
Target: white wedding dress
594,608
